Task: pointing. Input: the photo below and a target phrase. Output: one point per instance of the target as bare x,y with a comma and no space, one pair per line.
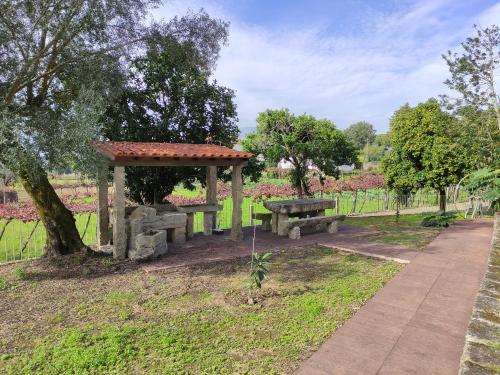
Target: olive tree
61,63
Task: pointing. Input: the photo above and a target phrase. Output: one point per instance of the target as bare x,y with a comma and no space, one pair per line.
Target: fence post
337,205
251,215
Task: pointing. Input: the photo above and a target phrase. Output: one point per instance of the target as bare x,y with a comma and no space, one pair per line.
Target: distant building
285,164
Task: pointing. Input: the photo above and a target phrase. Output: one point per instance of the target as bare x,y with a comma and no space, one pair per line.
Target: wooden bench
331,222
265,218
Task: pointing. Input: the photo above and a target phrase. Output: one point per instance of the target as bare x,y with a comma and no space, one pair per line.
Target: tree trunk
298,188
442,200
354,201
62,234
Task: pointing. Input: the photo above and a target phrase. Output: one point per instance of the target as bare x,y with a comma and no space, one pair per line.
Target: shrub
438,220
259,270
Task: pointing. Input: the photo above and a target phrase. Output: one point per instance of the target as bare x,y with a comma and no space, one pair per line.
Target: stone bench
293,226
143,219
265,218
149,244
208,217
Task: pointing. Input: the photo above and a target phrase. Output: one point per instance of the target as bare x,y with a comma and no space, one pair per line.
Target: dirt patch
198,318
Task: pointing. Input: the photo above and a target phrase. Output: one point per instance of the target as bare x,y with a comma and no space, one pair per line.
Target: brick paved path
417,323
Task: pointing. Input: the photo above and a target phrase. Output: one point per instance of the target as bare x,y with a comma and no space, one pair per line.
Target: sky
347,61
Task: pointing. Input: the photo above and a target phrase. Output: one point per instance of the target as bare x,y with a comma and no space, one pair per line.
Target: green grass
196,322
17,231
407,231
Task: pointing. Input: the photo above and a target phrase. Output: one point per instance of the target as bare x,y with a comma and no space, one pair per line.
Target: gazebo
153,154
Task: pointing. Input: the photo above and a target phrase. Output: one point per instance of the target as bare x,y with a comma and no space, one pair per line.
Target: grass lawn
17,233
406,231
93,315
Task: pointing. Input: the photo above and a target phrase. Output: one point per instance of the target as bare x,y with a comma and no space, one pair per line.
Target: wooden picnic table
282,210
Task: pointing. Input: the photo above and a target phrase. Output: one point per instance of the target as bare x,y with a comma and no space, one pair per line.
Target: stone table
282,210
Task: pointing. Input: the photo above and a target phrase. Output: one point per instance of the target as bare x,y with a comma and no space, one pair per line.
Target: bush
438,220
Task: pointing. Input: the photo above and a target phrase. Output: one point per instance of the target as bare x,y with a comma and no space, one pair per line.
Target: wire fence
20,240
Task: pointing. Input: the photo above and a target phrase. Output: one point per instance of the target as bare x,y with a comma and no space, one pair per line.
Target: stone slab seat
208,218
192,208
144,219
265,218
331,221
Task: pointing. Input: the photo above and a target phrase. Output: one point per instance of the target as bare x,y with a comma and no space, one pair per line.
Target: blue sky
343,60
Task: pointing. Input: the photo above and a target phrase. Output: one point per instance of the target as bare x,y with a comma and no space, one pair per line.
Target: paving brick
424,351
417,323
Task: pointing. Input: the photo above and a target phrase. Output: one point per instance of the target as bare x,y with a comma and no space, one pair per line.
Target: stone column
102,206
190,225
282,225
210,218
274,222
119,233
237,193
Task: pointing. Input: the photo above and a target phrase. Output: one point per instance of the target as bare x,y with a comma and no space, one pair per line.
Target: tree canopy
425,150
61,64
169,98
303,141
361,133
377,149
473,72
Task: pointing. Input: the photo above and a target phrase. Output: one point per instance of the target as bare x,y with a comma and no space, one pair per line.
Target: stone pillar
274,222
237,193
333,227
210,218
102,206
179,235
190,225
282,225
208,224
119,233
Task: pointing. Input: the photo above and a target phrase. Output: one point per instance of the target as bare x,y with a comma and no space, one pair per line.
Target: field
96,315
21,240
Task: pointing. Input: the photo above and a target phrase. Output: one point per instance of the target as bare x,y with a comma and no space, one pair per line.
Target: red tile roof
114,150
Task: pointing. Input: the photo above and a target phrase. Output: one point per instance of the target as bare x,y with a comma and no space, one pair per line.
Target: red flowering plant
264,191
25,211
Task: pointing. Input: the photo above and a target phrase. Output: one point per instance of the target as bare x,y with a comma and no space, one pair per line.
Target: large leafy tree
61,63
377,149
169,98
425,151
479,132
303,141
361,133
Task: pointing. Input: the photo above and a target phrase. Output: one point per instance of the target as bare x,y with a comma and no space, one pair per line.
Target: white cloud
364,75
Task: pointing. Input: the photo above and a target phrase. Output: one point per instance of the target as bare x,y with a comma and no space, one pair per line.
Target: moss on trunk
62,234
